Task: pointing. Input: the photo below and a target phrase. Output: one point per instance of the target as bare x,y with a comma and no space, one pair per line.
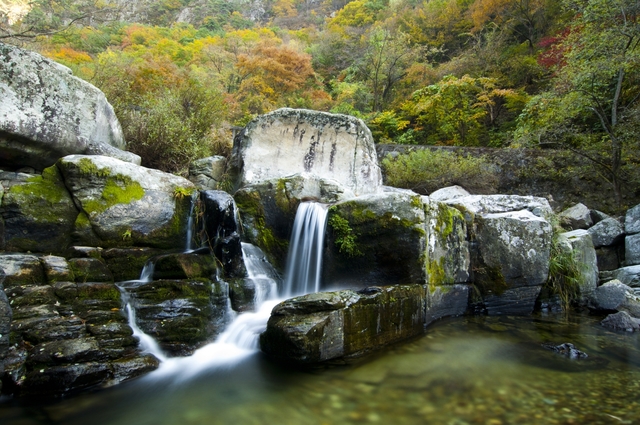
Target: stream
467,370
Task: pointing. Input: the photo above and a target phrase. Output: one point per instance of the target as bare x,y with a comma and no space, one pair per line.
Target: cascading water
240,339
304,260
190,224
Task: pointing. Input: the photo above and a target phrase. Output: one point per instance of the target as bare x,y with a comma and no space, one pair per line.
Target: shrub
425,171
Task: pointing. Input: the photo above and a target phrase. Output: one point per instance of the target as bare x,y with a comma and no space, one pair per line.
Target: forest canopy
496,73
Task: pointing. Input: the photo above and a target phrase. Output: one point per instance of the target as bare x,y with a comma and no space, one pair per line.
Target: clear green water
471,370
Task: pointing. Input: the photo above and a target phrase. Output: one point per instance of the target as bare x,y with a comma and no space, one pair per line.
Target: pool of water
469,370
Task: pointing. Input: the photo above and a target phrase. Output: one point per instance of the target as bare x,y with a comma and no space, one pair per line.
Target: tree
595,102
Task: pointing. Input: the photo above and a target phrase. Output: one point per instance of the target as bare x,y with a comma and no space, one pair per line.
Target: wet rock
448,193
56,269
576,217
57,380
632,250
607,232
6,316
126,369
342,324
632,220
567,349
585,255
221,230
38,212
123,204
182,315
268,209
446,301
378,239
66,351
127,263
47,113
20,269
185,266
90,270
621,321
290,141
513,301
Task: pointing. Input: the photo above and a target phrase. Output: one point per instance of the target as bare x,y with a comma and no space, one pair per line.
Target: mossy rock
38,212
185,266
127,263
90,270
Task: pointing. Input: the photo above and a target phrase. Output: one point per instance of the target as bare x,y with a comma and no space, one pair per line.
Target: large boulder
124,204
38,212
292,141
632,249
628,275
47,113
376,239
615,295
510,250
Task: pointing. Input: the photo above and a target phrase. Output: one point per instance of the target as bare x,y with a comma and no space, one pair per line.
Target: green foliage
425,171
565,272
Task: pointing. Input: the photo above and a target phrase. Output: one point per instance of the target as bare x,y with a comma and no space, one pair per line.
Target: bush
425,171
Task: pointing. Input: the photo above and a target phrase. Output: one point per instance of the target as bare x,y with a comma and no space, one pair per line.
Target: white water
189,242
241,338
304,260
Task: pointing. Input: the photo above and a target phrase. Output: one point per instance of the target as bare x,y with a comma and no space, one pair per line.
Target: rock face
292,141
607,232
121,203
208,173
510,252
46,114
332,326
66,333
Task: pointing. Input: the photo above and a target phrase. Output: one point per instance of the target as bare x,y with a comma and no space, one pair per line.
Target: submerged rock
291,141
47,113
567,349
621,321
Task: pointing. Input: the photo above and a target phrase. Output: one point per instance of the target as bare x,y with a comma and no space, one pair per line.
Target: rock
567,349
185,266
493,204
20,269
610,295
632,220
628,275
343,324
621,321
213,167
124,204
38,212
598,216
512,254
576,217
447,257
448,193
446,301
127,263
6,316
56,269
267,210
291,141
377,239
221,230
607,232
90,270
62,379
47,113
585,256
632,250
609,257
182,315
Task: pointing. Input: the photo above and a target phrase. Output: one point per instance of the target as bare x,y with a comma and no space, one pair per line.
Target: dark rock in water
221,231
567,349
621,321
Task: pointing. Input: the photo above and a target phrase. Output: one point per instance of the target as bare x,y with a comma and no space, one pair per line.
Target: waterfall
240,339
304,260
189,242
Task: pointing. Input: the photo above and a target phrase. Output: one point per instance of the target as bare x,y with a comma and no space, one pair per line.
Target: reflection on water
475,370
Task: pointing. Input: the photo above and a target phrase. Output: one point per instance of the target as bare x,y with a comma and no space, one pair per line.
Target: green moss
183,192
98,292
345,238
82,221
117,190
88,168
46,188
436,273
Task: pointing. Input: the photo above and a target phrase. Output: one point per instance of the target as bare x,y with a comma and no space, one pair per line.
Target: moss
117,190
46,188
98,292
88,168
436,274
183,192
345,238
82,221
489,281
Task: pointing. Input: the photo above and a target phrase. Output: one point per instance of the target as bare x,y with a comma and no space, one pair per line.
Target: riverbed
467,370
